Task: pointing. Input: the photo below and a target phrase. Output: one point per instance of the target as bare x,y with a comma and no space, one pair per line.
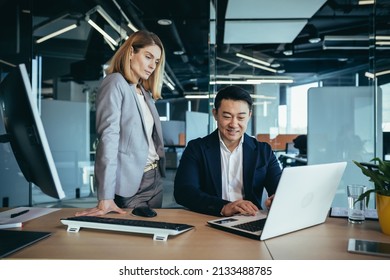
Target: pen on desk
19,213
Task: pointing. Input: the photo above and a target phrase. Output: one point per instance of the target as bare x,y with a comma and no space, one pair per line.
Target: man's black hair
233,93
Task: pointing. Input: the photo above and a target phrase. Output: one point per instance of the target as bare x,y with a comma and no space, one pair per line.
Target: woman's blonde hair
120,62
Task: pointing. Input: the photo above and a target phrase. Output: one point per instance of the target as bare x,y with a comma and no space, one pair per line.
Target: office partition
342,127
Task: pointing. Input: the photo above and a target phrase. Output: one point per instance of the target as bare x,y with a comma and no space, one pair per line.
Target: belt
151,166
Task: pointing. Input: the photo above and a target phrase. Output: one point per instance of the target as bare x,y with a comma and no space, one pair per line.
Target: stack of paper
17,216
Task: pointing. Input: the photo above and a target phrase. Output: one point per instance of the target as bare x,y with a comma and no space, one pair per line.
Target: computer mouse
144,211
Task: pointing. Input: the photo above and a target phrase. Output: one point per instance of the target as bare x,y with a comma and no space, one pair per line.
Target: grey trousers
150,192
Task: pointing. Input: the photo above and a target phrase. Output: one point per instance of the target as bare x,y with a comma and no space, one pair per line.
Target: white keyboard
160,230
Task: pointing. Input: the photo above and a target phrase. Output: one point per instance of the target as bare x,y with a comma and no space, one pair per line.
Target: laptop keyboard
252,226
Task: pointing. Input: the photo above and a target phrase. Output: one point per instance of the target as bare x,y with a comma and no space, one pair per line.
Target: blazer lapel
213,158
159,142
153,110
249,164
134,94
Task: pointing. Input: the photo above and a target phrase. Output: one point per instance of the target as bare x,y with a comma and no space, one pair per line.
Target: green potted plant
379,174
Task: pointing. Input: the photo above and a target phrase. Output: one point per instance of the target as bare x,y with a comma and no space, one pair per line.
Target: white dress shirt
149,124
232,178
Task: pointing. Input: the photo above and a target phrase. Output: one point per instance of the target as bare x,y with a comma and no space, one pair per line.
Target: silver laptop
303,199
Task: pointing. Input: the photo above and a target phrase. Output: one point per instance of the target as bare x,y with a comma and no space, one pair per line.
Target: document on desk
341,212
17,216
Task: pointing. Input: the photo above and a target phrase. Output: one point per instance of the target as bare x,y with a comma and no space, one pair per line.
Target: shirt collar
222,144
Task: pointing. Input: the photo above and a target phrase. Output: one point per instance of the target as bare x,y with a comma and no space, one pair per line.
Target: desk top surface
325,241
202,242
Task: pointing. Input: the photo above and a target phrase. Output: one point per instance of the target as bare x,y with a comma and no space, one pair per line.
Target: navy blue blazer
198,180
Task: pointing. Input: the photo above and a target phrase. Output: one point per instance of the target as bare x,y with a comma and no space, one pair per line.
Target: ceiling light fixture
262,96
129,23
197,96
366,2
164,22
261,67
272,81
382,40
49,22
248,77
237,82
109,20
56,33
384,72
374,75
359,42
315,40
228,61
382,43
168,82
132,27
266,63
382,37
179,52
346,42
7,63
112,22
252,81
288,50
369,75
314,36
109,44
101,31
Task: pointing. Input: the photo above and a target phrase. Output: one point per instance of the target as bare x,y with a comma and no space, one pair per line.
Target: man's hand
244,207
268,201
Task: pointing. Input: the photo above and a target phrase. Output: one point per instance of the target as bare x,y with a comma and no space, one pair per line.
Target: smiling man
225,172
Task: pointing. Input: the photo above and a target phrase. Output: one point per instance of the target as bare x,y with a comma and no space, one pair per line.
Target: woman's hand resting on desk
103,207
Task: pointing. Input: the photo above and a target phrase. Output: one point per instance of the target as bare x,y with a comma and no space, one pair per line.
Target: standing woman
130,160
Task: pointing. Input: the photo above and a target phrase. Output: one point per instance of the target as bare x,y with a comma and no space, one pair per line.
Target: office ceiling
257,28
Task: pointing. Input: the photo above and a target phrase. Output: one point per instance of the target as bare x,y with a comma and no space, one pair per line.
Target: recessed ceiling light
164,21
288,50
180,52
315,40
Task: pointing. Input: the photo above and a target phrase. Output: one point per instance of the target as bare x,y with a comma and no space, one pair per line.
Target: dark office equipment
386,145
290,149
144,211
14,240
25,133
160,230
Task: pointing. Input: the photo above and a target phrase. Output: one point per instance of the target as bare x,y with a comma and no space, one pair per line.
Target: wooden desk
326,241
200,243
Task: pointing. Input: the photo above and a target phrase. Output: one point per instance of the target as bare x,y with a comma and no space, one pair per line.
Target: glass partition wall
333,89
327,87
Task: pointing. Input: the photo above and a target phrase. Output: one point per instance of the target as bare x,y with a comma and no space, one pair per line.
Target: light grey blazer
122,149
